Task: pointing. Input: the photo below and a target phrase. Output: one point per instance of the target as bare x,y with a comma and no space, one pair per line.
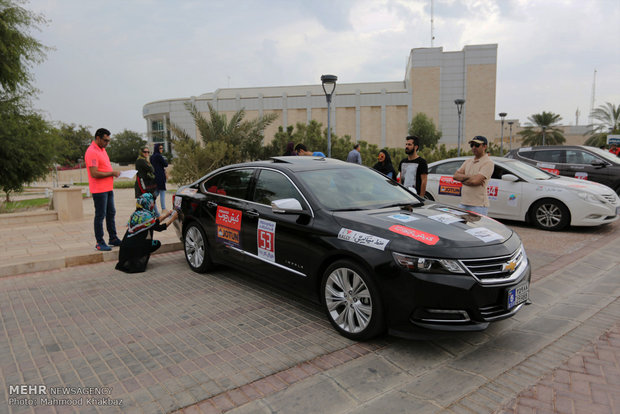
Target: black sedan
372,253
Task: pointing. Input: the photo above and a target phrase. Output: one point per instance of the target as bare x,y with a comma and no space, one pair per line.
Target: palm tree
608,122
543,125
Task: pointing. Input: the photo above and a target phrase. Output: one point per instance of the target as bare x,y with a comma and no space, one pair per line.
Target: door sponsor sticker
405,218
580,175
228,217
266,240
362,239
228,221
418,235
513,201
449,186
445,218
484,234
228,236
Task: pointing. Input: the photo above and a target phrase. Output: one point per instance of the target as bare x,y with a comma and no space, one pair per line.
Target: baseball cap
479,139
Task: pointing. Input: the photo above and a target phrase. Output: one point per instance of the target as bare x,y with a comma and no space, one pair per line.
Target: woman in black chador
138,243
384,165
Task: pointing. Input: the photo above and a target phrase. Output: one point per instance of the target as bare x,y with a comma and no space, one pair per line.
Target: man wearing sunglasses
101,184
474,174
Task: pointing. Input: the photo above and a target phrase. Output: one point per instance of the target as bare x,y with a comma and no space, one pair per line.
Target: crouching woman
138,243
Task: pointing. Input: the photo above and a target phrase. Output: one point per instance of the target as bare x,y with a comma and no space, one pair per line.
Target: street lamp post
501,142
543,131
459,107
330,81
510,123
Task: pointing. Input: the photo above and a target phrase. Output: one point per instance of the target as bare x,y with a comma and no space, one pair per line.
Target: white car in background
518,191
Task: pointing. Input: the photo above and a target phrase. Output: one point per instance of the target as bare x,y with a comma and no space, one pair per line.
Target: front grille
610,198
500,267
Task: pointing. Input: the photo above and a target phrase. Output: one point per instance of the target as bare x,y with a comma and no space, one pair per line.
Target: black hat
479,139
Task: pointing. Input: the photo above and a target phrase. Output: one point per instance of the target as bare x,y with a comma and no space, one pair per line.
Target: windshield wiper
404,204
349,209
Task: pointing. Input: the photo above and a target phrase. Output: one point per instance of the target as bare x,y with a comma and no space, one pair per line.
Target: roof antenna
432,27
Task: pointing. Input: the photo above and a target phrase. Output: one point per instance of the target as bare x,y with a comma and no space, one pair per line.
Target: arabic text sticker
266,240
418,235
484,234
228,217
362,239
445,218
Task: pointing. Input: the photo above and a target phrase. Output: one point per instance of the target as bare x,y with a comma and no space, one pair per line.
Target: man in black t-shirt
413,169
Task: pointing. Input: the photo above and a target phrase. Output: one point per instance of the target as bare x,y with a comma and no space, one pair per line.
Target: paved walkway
170,339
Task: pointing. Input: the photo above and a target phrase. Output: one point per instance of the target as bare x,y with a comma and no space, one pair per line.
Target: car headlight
423,264
589,197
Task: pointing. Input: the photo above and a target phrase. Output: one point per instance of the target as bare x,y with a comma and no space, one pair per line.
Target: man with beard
413,169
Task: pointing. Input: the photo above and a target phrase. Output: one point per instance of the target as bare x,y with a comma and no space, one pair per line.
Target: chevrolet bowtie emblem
509,267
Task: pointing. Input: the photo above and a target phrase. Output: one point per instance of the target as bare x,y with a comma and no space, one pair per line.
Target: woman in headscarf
159,163
138,243
145,178
384,165
290,149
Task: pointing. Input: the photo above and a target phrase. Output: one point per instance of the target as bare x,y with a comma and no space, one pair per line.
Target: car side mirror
510,177
287,206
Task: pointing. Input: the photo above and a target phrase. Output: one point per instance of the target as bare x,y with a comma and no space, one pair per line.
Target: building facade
377,112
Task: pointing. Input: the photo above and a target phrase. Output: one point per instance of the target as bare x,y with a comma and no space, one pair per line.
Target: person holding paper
101,186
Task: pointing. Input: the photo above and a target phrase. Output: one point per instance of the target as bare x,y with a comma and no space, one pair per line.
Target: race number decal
492,192
449,186
266,240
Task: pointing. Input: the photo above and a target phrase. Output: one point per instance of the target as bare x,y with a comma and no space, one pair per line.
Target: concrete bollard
68,203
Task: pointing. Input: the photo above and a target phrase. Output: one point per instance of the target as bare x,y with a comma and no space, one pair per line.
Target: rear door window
233,183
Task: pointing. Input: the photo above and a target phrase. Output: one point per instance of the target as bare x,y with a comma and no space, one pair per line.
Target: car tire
352,301
550,214
196,249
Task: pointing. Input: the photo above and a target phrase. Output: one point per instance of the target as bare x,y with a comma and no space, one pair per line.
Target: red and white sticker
449,186
266,240
228,217
492,192
418,235
580,175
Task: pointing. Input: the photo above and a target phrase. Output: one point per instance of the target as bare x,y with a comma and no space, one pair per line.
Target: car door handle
252,213
211,204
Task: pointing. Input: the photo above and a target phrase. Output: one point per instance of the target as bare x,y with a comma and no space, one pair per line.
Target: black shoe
115,242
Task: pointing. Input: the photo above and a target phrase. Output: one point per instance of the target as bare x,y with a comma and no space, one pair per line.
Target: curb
74,260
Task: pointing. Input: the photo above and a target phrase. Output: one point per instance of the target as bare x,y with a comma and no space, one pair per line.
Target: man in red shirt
101,184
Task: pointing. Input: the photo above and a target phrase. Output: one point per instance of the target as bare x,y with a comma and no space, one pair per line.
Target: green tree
423,127
539,124
224,142
125,146
18,50
607,119
27,148
73,141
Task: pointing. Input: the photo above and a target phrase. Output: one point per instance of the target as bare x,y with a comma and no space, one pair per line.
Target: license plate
518,294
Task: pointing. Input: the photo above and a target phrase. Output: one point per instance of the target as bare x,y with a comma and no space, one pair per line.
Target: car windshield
342,189
528,171
608,156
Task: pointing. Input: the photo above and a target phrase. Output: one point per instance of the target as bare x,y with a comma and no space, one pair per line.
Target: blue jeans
161,194
476,209
104,208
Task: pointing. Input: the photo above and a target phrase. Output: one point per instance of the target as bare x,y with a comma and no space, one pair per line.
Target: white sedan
518,191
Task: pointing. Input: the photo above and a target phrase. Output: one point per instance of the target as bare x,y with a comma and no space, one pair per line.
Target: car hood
434,229
568,183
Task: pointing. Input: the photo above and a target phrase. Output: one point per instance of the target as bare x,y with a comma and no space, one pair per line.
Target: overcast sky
111,57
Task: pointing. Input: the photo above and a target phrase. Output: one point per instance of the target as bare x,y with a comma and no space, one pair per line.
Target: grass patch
124,184
21,205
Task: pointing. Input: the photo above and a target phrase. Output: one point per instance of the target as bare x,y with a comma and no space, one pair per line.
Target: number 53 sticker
266,239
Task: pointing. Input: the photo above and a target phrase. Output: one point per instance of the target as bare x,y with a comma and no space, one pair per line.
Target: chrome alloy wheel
194,247
548,215
348,300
